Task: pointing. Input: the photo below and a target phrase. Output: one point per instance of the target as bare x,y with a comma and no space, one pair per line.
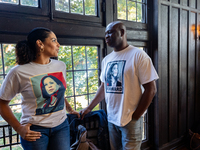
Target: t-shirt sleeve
10,86
102,76
146,70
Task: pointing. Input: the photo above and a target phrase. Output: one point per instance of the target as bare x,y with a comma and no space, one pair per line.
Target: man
126,104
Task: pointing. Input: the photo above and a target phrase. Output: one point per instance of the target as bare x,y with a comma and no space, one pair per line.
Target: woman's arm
23,130
70,109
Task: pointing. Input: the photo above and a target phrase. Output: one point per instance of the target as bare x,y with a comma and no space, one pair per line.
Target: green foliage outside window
83,71
33,3
9,56
130,10
90,7
30,2
10,1
76,6
83,7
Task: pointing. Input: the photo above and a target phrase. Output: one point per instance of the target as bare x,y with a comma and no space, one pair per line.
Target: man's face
113,36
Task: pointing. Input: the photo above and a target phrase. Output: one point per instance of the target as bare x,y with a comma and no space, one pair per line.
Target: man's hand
84,111
25,132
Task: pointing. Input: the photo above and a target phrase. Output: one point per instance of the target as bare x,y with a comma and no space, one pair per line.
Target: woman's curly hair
26,50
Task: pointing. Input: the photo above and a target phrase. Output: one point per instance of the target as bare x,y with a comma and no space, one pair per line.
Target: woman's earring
41,50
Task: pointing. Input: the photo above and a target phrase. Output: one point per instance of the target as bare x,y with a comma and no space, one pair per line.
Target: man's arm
146,99
97,99
23,130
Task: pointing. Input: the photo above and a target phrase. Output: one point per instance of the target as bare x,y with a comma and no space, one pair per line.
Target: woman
39,128
112,76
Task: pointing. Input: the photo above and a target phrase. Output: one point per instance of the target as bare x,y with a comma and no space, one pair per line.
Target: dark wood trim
13,8
167,3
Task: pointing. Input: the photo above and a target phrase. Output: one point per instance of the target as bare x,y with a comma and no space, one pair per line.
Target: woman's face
115,70
50,85
51,45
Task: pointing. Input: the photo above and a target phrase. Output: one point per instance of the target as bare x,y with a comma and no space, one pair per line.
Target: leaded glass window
32,3
83,7
131,10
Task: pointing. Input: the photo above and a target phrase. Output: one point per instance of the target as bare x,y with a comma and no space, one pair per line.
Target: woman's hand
25,132
74,112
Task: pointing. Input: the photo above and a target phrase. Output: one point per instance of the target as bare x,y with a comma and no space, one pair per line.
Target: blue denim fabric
128,137
96,119
57,138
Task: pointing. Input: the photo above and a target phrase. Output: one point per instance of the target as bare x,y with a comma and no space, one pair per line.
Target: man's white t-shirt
129,68
42,88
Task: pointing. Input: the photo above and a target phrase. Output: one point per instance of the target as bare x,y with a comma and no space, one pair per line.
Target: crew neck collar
50,61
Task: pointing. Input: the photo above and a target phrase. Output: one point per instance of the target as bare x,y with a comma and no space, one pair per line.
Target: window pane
65,56
17,147
1,80
71,102
144,134
33,3
9,56
97,107
131,10
80,82
79,57
76,6
81,102
2,122
90,7
92,57
69,80
93,81
16,111
62,5
16,100
10,1
121,9
139,12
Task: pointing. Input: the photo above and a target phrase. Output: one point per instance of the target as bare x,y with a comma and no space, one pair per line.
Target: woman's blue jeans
57,138
128,137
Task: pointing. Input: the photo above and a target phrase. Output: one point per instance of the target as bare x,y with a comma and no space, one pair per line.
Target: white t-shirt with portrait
42,89
130,68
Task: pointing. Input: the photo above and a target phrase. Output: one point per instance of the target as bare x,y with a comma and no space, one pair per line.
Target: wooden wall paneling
197,102
137,35
175,1
191,68
198,4
152,21
173,72
110,9
182,109
192,3
23,26
163,74
184,2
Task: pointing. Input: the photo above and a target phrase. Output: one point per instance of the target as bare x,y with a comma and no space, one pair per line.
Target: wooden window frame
42,9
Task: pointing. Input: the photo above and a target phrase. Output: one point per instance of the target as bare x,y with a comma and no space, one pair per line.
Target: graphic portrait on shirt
49,90
115,76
